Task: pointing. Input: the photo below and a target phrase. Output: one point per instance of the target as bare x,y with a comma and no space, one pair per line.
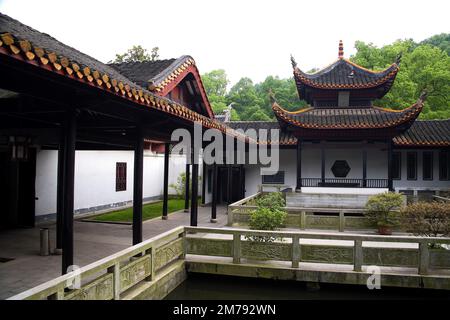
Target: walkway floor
92,241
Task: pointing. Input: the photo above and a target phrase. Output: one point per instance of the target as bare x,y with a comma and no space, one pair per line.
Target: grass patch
149,211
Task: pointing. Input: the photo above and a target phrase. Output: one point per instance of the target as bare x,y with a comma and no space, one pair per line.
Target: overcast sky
244,37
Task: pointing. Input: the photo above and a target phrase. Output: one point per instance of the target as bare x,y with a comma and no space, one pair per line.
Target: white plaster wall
404,183
95,178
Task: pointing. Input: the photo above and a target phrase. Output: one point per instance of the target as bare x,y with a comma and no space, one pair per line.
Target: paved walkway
92,241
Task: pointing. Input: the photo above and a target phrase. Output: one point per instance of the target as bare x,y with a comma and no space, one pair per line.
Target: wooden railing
292,250
110,277
344,182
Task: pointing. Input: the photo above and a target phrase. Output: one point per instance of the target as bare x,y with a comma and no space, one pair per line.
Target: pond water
211,287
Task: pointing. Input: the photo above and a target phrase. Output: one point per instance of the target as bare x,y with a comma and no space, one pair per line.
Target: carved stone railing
304,218
291,246
109,277
242,206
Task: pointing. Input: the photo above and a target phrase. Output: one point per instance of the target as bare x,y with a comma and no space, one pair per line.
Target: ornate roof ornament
272,96
294,63
341,50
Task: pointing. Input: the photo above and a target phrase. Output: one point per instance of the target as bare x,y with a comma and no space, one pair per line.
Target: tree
137,54
423,67
215,82
442,41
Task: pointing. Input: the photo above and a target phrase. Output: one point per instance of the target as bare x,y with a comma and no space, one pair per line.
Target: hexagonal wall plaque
340,168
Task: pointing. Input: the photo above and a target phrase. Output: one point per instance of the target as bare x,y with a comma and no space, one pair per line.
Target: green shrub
180,186
383,208
270,215
273,200
430,219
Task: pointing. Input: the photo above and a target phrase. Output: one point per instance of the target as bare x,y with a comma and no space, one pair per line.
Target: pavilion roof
348,118
344,74
422,133
28,45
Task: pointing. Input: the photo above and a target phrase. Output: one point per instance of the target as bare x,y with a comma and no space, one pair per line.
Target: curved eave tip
293,62
423,96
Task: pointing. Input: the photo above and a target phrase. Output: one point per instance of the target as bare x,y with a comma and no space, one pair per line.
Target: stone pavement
92,241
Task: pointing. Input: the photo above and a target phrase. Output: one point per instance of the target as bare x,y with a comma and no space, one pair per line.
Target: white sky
245,37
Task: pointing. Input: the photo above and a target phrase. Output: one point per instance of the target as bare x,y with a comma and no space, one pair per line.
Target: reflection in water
211,287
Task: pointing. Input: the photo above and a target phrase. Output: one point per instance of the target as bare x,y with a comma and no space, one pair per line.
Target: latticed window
444,165
411,165
427,165
121,176
396,165
277,178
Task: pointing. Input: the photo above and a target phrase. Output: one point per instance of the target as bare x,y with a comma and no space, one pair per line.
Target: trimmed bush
383,209
272,200
430,219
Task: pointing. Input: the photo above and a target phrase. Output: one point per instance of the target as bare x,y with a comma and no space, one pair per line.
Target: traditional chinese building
343,143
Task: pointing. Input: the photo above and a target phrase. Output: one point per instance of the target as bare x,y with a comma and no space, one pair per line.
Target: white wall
95,178
404,183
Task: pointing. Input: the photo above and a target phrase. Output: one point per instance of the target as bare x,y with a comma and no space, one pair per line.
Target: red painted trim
194,71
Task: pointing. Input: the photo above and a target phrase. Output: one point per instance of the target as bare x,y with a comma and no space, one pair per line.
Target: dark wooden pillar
242,180
166,181
60,196
194,193
214,194
229,183
390,181
187,186
322,149
364,168
299,165
70,133
137,188
203,182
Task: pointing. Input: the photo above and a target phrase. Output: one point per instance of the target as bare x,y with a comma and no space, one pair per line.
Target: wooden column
242,180
60,196
390,182
137,188
322,149
194,194
229,184
187,187
203,182
214,194
364,160
68,179
299,165
166,181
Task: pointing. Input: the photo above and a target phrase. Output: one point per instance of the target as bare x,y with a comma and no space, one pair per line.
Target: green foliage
429,219
271,200
180,186
383,208
442,41
423,67
137,54
269,215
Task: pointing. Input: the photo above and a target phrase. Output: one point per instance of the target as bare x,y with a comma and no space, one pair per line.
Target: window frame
399,153
280,172
121,176
444,164
432,165
409,153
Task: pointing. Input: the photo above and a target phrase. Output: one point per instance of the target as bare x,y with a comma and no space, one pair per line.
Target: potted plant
383,209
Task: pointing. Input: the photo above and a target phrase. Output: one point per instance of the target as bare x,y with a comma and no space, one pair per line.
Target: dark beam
203,183
299,165
194,193
323,163
389,151
229,184
166,181
59,198
186,187
137,189
68,187
214,194
364,159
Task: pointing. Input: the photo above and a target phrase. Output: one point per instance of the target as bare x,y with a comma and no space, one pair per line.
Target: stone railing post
58,295
424,257
115,270
237,247
295,251
303,220
357,256
230,213
341,221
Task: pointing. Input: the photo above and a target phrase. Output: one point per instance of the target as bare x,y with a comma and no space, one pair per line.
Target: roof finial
294,63
423,96
341,50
